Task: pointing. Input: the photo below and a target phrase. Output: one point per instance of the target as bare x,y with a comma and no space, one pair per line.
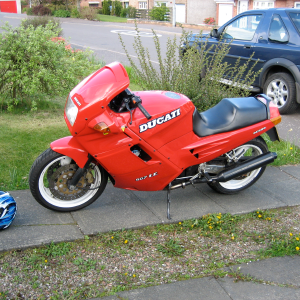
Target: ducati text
160,120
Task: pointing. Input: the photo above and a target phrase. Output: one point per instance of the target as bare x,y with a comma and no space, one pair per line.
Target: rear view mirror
214,33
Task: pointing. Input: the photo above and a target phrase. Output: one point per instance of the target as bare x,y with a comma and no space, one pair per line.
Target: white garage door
180,13
225,13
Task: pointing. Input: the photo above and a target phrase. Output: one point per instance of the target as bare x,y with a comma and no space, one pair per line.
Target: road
103,39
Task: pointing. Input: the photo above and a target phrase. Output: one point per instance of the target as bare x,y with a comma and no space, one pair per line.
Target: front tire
49,176
281,88
250,149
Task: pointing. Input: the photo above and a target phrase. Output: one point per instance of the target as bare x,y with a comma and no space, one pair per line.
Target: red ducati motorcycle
150,141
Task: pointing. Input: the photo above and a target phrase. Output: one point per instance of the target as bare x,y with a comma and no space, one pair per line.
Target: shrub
89,13
131,12
183,75
116,8
29,11
75,13
41,10
43,21
32,66
159,13
210,21
62,13
105,7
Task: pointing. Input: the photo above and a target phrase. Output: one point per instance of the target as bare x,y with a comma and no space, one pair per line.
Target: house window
263,4
143,5
297,5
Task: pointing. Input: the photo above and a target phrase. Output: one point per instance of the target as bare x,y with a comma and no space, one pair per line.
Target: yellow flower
210,227
125,274
259,216
297,238
232,237
291,148
297,248
192,226
125,242
46,260
133,275
112,237
179,223
219,217
291,234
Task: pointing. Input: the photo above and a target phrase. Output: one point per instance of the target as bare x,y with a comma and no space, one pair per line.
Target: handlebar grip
143,110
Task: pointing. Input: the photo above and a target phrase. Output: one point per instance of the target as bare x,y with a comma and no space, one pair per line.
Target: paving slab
31,212
185,204
21,237
291,170
280,270
114,210
203,288
245,201
255,291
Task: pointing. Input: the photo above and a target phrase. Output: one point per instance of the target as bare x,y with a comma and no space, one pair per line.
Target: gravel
116,261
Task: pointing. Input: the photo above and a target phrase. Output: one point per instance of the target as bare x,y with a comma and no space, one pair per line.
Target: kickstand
168,202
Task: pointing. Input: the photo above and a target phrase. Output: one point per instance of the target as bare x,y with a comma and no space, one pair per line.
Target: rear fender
70,147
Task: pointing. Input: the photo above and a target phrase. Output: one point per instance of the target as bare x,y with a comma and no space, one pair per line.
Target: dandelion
192,226
259,216
232,237
291,148
126,274
133,275
112,237
46,260
179,223
219,217
125,242
297,248
291,234
210,227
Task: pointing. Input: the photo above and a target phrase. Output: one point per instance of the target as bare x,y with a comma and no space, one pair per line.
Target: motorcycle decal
163,119
259,130
147,176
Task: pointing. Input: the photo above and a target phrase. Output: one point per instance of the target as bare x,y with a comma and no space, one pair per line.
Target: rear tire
48,180
252,148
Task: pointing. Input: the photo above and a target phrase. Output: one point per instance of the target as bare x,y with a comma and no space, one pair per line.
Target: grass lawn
106,18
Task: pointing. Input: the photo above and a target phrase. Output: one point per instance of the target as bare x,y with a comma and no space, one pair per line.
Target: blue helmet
8,209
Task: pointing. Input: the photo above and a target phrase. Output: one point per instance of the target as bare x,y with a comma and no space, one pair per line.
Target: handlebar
143,110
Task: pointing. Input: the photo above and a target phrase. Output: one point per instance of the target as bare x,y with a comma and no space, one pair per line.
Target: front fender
70,147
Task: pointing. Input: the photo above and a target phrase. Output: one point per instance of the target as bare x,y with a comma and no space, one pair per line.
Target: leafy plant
88,13
105,7
116,8
196,73
75,13
43,21
171,248
54,250
210,21
61,13
32,66
41,10
159,13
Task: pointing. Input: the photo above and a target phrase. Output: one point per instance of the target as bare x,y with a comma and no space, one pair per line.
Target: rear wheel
242,153
48,181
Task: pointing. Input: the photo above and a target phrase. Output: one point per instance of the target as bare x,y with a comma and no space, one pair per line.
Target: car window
277,32
295,19
242,28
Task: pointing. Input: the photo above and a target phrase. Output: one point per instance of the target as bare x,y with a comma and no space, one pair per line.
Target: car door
241,35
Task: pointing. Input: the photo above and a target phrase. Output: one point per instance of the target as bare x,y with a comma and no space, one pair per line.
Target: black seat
229,114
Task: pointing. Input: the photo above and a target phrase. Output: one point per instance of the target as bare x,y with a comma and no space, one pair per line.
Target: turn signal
102,127
276,120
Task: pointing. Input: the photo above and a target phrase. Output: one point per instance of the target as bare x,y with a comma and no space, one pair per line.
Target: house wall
197,11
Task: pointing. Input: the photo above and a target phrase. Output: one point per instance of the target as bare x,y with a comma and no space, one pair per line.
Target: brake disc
58,182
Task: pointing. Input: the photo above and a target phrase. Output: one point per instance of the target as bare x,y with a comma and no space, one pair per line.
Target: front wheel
243,153
48,182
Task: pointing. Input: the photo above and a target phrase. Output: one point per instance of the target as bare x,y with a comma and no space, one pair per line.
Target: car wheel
281,88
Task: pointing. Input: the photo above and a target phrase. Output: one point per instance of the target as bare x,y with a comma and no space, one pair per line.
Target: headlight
71,111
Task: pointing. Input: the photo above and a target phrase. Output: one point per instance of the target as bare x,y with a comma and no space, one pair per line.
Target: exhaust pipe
247,166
